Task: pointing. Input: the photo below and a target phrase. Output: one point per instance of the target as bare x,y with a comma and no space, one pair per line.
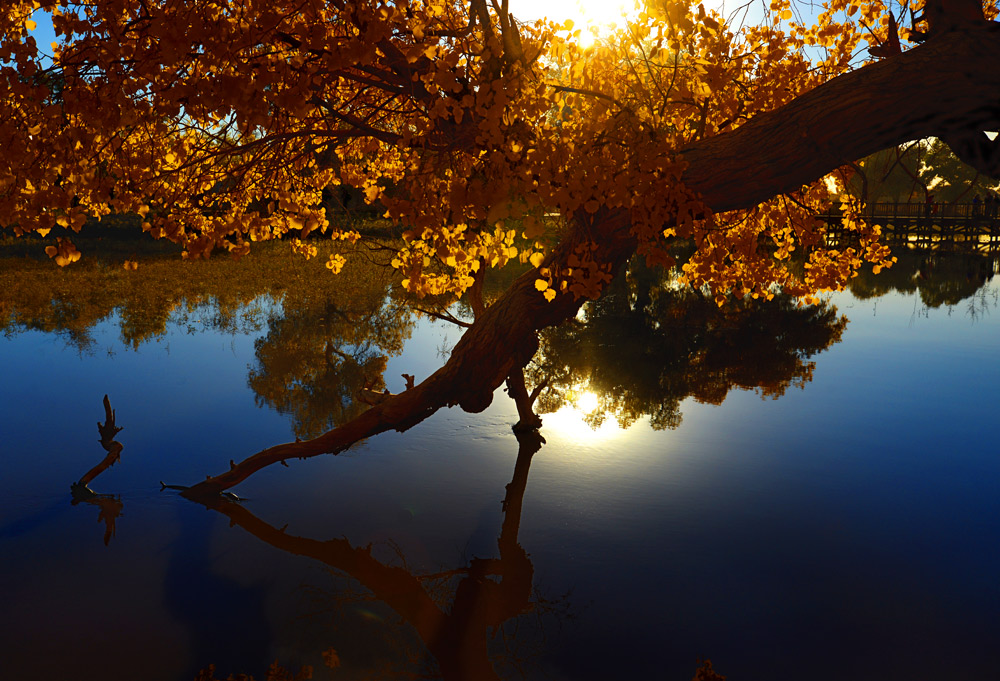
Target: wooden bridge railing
918,210
968,224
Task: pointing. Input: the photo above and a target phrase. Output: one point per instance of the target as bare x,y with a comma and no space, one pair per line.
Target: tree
221,123
889,175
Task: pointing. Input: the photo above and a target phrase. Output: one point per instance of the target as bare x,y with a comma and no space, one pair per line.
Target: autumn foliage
487,140
222,123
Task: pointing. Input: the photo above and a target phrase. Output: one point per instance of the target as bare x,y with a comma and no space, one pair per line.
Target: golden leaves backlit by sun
476,158
592,19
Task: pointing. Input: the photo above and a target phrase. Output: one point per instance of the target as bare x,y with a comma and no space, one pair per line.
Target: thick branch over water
948,85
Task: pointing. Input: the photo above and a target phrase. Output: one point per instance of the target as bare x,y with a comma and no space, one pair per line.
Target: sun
593,18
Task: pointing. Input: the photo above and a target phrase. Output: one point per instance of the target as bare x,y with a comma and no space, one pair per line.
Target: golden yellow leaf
336,263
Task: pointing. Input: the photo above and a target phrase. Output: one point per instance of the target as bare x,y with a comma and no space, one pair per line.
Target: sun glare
571,421
592,18
587,402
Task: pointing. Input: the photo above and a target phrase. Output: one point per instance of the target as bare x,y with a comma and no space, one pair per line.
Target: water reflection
321,351
328,339
458,615
321,338
646,346
221,295
941,279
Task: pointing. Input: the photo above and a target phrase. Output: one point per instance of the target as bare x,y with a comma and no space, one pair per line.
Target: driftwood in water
108,431
109,504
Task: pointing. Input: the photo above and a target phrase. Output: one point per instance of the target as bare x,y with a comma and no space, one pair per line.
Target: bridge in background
961,226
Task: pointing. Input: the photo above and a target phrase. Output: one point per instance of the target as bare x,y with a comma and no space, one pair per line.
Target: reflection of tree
323,349
71,301
940,278
488,593
643,352
328,337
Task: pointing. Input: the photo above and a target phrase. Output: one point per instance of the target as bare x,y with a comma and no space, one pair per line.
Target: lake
789,492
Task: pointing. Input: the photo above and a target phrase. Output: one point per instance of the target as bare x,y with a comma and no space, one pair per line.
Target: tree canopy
687,138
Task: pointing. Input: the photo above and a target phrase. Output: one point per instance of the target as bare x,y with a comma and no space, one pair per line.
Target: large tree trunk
948,86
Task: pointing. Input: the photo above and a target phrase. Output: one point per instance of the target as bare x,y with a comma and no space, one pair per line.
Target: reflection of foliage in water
646,346
219,293
328,336
326,347
940,278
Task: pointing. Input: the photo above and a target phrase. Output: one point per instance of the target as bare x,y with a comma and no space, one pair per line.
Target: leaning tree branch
947,84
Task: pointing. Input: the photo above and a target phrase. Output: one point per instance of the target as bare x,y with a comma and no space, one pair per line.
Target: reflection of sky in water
846,527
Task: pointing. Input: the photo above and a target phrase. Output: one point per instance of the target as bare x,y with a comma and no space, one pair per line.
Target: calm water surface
846,529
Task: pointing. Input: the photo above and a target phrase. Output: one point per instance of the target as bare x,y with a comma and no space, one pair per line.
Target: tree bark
948,84
527,419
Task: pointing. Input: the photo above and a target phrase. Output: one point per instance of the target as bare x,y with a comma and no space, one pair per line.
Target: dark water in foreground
846,530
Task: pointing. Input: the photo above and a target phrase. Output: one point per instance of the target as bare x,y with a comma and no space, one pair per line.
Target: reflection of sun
587,16
570,421
586,402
